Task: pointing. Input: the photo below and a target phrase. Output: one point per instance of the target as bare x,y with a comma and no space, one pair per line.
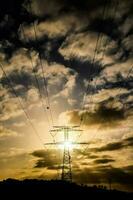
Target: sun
67,145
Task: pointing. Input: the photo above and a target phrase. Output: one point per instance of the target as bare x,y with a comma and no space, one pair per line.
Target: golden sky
60,62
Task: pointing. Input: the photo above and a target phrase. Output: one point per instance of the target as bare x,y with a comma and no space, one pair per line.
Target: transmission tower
66,174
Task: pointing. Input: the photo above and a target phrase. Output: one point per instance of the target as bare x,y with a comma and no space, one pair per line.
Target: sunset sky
67,62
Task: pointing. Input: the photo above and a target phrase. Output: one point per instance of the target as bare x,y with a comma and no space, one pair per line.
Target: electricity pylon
66,165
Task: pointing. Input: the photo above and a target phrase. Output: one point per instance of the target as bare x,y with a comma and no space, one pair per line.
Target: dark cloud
111,147
40,153
21,80
19,77
86,69
103,161
103,175
46,8
119,175
129,141
120,82
92,156
43,163
43,8
13,7
101,115
12,14
105,114
52,7
105,26
49,159
112,26
116,145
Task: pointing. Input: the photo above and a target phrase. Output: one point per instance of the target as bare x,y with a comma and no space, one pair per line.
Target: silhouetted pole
110,184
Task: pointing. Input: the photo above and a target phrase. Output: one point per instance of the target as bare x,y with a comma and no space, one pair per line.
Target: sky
67,63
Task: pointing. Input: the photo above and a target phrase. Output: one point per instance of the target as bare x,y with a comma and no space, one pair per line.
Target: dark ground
40,189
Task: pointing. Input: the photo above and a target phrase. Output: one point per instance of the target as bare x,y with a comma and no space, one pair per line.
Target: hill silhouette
58,189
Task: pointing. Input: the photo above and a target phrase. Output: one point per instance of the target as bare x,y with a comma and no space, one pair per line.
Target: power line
37,82
21,104
93,61
129,72
100,35
44,82
115,11
44,79
99,39
42,68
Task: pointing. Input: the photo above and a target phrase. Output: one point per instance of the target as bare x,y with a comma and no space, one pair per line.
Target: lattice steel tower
66,165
